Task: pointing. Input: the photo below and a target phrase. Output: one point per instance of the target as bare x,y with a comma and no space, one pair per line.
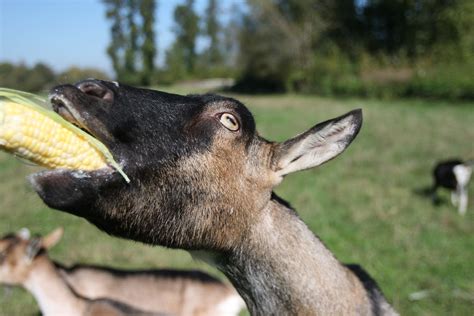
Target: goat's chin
69,190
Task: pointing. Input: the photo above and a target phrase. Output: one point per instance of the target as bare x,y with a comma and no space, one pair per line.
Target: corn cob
35,137
43,137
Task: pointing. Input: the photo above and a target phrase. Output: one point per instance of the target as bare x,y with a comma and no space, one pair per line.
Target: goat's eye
229,121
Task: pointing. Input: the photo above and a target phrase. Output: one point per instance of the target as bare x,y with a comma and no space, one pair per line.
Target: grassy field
362,204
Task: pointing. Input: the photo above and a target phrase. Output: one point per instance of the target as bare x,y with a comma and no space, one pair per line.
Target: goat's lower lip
76,173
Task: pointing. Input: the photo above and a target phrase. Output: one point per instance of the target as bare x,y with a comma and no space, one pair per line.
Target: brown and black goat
202,179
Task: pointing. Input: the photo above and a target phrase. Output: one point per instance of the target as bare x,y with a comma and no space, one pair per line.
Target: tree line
380,48
350,47
371,47
40,77
133,50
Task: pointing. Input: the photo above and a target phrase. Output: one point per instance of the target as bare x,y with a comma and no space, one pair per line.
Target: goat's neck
53,295
281,268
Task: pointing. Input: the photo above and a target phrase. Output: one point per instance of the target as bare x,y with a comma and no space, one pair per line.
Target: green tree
454,32
187,29
420,28
277,42
75,74
344,26
11,75
130,71
115,49
212,31
175,68
147,11
230,43
38,78
132,48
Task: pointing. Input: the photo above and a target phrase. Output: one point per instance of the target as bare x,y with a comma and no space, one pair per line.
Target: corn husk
38,104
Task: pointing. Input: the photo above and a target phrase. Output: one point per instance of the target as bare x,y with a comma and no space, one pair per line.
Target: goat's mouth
65,108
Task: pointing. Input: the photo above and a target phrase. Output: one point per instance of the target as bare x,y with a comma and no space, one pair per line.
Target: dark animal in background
453,175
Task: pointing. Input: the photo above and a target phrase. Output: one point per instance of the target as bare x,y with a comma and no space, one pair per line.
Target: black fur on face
177,154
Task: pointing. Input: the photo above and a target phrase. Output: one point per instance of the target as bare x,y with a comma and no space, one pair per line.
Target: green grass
362,204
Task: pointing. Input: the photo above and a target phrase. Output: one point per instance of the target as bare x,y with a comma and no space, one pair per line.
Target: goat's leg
463,175
463,199
454,197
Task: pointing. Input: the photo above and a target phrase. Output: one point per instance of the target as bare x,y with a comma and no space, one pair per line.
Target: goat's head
18,253
200,174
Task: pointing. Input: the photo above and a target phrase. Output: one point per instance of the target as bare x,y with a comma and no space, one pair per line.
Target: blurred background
408,63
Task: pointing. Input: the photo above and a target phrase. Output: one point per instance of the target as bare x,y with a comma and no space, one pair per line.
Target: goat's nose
63,89
96,89
58,94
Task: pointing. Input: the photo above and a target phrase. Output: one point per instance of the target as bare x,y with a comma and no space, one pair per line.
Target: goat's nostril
95,89
56,102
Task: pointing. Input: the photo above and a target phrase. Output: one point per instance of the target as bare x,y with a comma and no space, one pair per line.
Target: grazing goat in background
202,179
454,175
24,262
174,292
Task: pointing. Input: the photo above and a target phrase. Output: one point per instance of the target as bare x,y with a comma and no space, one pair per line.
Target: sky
62,33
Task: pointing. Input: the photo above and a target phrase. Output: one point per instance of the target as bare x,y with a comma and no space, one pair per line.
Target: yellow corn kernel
36,137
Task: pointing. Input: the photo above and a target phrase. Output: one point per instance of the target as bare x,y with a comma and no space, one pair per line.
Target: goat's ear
319,144
52,238
33,248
